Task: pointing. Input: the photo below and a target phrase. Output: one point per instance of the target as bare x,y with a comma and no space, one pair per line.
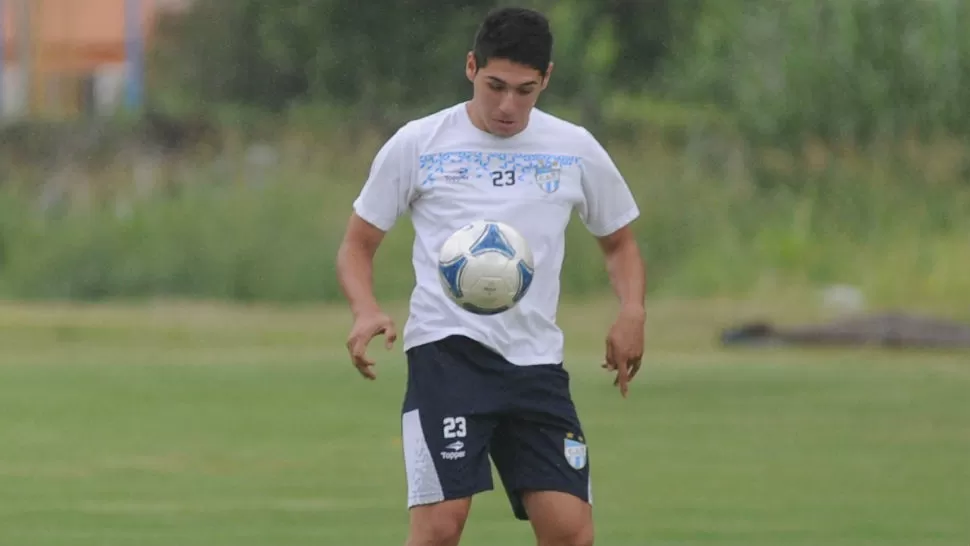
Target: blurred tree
382,61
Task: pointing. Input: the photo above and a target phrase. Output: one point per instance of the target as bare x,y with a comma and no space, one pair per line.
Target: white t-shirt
447,173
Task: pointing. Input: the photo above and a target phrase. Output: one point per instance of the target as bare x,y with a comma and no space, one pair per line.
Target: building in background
62,59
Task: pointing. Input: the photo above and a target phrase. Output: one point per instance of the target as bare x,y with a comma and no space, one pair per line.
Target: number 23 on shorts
454,427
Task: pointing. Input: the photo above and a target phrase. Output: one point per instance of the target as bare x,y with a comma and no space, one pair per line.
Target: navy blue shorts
465,403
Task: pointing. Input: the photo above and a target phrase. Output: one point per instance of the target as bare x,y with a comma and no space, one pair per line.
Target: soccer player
494,386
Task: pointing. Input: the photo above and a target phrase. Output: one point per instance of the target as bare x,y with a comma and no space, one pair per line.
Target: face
504,94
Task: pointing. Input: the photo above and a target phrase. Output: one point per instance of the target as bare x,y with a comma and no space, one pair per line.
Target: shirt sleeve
608,203
387,192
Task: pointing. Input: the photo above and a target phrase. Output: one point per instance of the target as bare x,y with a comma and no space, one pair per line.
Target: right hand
367,326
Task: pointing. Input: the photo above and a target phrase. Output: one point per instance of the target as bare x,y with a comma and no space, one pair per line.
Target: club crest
547,176
575,452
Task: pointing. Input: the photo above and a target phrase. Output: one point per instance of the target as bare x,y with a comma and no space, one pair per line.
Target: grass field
206,425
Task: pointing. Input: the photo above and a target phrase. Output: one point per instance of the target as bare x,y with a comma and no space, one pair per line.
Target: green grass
192,424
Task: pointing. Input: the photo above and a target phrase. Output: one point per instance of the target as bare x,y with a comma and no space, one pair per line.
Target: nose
507,105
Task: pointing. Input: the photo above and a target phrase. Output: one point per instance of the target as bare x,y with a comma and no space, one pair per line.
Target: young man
481,386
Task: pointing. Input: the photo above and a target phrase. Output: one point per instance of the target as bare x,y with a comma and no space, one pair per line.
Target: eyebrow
503,82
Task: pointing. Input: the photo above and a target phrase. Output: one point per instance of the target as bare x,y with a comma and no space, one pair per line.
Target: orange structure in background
70,42
69,35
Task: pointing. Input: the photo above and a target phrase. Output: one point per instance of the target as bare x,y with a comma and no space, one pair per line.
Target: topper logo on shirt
457,175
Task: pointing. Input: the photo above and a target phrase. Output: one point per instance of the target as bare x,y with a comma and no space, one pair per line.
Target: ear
545,81
471,67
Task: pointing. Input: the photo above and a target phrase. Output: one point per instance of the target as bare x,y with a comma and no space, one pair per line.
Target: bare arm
626,269
624,344
355,264
355,272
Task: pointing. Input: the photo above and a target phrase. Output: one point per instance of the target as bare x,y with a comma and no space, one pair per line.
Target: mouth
504,123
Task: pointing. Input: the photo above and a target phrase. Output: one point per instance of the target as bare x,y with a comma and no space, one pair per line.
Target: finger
363,364
623,377
616,379
610,360
357,342
634,367
365,370
390,335
362,361
358,348
358,355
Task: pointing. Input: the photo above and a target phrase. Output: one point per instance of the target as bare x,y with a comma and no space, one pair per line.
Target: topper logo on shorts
457,451
575,451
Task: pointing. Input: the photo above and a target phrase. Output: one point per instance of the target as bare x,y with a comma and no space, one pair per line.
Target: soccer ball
486,267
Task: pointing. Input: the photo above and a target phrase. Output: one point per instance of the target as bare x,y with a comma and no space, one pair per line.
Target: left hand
624,347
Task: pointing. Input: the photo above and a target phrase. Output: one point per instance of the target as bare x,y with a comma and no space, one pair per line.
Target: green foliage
381,63
842,70
768,142
897,229
232,243
379,59
852,71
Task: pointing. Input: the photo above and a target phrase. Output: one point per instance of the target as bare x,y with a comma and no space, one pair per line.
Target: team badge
547,176
575,451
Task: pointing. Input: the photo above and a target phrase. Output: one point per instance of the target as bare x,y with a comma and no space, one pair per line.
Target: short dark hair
519,35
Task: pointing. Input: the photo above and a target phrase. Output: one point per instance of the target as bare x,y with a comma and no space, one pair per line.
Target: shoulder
573,136
595,163
544,120
419,131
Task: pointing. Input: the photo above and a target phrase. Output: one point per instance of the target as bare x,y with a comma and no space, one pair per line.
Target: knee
437,525
572,535
444,531
583,536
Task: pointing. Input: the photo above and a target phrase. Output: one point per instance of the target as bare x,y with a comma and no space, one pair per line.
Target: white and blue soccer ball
486,267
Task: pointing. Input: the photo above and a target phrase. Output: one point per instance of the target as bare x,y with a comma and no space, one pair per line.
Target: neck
475,117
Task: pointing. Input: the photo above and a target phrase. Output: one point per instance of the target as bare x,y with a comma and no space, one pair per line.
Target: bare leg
438,524
559,519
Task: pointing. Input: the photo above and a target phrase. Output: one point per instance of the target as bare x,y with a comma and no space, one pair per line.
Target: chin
505,130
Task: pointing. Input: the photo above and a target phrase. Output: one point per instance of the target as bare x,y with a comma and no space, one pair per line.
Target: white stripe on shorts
424,486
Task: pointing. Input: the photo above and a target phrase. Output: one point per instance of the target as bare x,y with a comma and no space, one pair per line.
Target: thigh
559,518
447,423
541,445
